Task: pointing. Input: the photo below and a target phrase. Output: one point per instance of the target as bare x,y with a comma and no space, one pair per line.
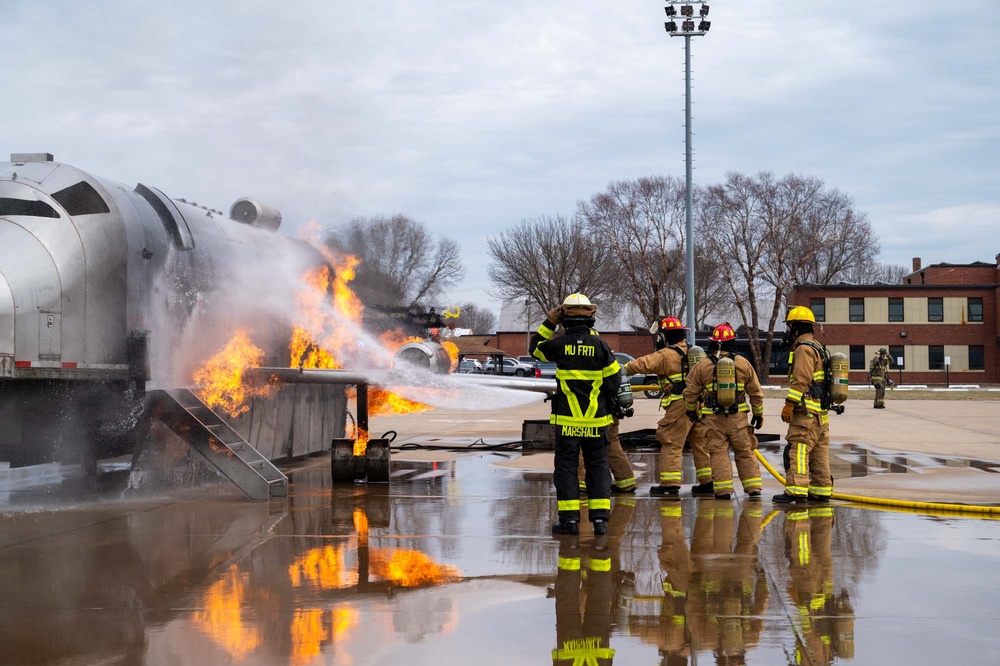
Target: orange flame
322,568
452,350
394,339
319,338
411,568
221,378
222,618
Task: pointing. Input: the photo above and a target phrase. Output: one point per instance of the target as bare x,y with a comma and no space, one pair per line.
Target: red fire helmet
723,333
672,324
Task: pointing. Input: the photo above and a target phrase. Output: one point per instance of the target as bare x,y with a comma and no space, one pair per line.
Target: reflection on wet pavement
458,567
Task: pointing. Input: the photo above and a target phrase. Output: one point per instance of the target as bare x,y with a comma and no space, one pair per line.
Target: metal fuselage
104,287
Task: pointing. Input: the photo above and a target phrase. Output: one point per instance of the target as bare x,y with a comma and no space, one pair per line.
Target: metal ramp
209,435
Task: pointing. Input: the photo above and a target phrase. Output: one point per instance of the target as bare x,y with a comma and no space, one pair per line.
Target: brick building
942,320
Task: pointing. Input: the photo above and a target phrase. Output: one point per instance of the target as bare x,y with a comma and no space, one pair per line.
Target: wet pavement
453,563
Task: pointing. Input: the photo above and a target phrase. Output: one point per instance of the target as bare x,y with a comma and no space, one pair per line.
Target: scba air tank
839,367
694,356
625,399
725,380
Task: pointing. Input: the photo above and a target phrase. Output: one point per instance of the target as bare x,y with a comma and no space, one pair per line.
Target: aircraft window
26,208
81,199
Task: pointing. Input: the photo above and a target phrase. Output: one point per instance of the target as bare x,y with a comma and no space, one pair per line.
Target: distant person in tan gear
878,376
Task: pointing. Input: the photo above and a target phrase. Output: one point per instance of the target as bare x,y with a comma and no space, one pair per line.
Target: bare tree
642,222
776,233
547,258
401,263
480,320
876,272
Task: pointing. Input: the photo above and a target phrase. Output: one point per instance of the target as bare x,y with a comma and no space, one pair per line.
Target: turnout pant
621,469
732,431
809,456
597,478
879,384
671,432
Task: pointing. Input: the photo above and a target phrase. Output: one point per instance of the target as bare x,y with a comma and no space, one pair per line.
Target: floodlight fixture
704,26
687,26
687,10
703,11
670,10
670,26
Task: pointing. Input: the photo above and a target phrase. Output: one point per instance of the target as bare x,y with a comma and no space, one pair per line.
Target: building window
857,309
895,309
935,309
975,309
977,357
898,354
858,357
818,306
935,357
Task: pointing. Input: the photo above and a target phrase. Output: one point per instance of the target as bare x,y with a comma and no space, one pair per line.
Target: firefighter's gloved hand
555,315
757,420
693,415
786,412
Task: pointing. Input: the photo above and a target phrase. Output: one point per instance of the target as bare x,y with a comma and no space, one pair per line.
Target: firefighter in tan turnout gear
722,383
588,378
670,364
806,411
878,376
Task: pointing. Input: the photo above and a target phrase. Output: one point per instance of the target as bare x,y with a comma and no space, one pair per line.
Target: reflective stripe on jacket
587,373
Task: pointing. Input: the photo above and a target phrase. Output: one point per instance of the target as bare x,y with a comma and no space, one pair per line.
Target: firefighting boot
568,527
754,494
665,490
785,498
819,499
600,526
703,489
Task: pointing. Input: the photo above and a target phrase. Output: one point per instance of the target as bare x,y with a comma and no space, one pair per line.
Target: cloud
959,234
473,115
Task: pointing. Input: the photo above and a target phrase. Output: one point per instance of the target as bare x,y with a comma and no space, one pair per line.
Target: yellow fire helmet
801,313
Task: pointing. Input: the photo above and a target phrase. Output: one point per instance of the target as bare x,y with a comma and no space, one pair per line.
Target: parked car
469,365
547,370
529,360
510,366
639,380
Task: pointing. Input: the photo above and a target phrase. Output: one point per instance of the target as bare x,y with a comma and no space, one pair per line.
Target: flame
222,618
361,443
322,568
320,335
394,339
221,378
411,568
311,629
308,635
452,350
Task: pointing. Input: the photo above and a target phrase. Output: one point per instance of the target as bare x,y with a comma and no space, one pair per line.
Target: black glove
757,420
694,415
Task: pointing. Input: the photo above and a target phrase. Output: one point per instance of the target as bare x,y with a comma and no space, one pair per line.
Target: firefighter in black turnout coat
588,379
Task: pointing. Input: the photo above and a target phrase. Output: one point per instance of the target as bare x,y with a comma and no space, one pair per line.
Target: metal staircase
209,435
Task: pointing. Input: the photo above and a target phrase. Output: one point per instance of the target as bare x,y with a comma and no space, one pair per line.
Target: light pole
527,328
686,11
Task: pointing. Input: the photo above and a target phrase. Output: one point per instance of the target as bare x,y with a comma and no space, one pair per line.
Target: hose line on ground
909,504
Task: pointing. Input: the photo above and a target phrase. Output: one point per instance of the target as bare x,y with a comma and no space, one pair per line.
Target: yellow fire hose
906,504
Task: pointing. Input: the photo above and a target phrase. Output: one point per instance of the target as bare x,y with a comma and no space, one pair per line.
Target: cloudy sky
471,116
